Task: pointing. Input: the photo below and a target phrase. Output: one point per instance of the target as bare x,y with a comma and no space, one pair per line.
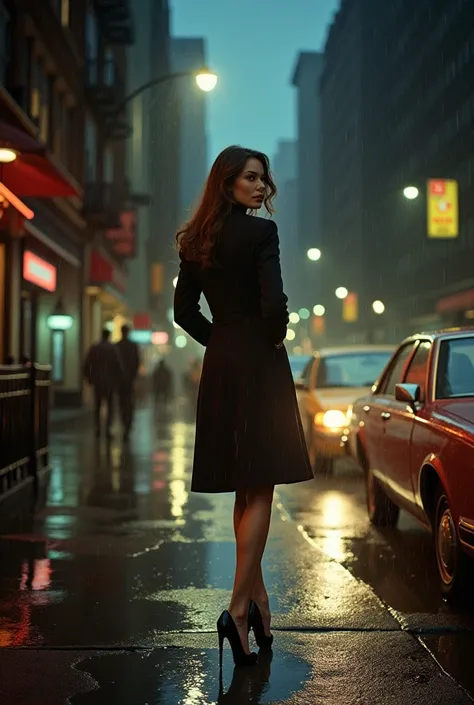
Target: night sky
253,46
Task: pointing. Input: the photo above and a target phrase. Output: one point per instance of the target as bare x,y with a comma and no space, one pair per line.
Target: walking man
130,360
103,371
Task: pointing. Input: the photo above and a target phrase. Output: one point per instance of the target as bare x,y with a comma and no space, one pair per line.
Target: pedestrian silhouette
130,361
103,371
162,382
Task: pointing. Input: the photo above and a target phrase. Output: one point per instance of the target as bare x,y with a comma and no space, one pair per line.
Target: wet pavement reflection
117,584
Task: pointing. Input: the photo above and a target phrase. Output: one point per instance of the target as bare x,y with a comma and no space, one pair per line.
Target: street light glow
304,313
181,341
290,334
7,155
319,310
206,80
379,307
294,318
175,281
314,254
411,192
342,292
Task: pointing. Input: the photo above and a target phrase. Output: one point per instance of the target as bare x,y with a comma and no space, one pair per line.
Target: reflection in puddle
185,676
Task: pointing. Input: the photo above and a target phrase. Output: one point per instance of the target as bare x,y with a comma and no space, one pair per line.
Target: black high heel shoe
256,623
226,629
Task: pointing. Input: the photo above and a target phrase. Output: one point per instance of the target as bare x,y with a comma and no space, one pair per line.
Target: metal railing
24,425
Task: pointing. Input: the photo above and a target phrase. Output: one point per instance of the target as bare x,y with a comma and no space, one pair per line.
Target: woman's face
249,187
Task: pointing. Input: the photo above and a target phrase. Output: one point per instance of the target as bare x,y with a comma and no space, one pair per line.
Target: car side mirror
408,393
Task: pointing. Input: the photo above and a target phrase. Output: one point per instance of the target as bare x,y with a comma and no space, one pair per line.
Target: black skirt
248,427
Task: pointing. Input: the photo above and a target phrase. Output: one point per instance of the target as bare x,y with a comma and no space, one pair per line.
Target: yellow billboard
443,208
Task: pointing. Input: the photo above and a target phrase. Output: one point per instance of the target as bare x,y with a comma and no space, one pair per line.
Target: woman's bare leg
251,537
259,592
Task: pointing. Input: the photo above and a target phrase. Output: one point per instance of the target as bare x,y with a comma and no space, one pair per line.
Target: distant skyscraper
307,78
188,54
154,159
284,168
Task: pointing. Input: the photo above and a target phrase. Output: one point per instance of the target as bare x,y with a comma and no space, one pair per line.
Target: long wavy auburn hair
196,239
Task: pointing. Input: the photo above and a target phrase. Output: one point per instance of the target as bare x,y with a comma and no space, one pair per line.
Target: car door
303,387
396,451
377,413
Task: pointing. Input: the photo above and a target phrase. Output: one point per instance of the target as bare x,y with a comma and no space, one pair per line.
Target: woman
249,436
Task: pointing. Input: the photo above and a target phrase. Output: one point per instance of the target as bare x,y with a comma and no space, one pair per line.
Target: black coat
248,428
102,367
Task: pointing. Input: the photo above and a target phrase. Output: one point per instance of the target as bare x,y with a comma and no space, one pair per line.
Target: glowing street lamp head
314,254
378,307
411,192
341,292
7,155
206,80
319,310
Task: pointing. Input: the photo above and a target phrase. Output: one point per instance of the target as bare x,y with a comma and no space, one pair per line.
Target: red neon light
39,272
16,203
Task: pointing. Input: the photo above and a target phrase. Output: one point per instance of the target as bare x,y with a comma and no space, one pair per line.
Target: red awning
33,173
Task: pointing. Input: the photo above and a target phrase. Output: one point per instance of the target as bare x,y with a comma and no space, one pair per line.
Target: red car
414,438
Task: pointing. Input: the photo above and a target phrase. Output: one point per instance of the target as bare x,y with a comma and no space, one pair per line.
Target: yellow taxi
330,383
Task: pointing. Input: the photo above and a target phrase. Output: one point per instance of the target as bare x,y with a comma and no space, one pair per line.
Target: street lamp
378,307
304,313
206,80
314,254
410,192
342,292
290,334
7,155
319,310
294,317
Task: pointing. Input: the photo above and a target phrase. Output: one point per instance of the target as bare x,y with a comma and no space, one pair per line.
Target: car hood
458,410
339,397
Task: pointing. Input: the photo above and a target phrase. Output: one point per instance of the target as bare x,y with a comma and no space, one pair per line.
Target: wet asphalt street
111,593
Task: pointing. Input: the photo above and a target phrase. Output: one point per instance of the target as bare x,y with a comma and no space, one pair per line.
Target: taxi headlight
331,419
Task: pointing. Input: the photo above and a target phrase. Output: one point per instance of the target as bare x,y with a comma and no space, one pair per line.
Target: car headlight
331,419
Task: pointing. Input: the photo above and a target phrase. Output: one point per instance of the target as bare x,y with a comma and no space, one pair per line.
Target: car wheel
382,511
454,567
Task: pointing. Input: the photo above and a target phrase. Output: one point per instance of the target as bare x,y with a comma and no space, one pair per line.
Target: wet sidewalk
111,595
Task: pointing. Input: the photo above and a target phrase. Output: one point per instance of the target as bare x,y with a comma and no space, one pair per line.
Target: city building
189,54
62,67
109,204
284,168
153,166
306,78
42,121
413,112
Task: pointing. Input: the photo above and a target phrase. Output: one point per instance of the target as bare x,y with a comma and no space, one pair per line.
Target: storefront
457,309
41,263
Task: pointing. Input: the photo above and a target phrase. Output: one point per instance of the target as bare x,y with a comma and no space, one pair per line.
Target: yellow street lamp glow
314,254
290,334
206,80
410,192
319,310
294,318
341,292
7,155
379,307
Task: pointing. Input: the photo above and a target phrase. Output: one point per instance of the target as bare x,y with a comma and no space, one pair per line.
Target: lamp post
58,322
205,80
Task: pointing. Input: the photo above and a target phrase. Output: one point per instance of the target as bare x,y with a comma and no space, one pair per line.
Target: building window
40,102
5,29
92,35
108,166
90,151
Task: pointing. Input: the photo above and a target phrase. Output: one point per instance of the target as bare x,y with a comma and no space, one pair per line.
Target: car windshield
359,369
297,364
455,376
